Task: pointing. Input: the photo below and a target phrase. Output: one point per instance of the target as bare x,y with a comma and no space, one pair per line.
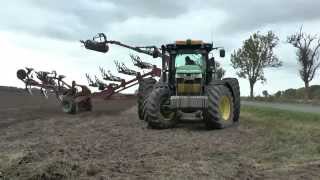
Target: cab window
188,59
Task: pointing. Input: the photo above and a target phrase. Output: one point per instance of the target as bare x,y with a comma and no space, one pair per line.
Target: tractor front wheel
220,111
233,83
157,111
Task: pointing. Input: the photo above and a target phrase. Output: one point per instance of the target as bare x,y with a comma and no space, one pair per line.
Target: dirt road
41,142
285,106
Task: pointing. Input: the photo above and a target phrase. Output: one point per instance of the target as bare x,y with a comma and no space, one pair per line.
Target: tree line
257,54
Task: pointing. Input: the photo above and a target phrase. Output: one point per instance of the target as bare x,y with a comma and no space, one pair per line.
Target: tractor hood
189,69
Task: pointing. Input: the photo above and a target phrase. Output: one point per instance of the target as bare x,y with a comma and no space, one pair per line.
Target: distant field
283,100
293,107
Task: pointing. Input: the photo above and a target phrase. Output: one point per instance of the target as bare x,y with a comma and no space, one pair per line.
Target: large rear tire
145,87
157,113
69,105
220,111
86,105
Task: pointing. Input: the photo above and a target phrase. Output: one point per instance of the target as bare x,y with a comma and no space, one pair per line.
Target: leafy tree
290,93
278,94
254,56
265,93
308,56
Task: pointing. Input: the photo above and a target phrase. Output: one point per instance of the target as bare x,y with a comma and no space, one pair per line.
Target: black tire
157,116
234,85
69,105
145,87
86,105
21,74
219,97
89,105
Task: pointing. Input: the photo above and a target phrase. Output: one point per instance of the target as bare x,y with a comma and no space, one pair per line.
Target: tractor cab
189,68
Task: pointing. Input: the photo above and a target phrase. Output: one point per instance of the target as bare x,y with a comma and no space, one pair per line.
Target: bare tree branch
308,56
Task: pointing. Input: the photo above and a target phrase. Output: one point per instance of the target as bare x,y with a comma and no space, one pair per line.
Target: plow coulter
122,68
117,84
139,63
52,83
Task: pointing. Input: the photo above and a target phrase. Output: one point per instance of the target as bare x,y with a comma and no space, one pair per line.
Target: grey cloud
150,8
76,19
146,40
67,20
252,14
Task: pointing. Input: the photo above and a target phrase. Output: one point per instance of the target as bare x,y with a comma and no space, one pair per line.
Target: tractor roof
189,42
189,45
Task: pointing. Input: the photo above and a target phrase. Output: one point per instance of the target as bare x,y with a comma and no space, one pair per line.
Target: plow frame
111,89
52,84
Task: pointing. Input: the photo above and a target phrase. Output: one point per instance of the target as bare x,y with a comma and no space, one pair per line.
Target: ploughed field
39,141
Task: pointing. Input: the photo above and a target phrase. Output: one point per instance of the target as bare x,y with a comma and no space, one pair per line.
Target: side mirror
222,53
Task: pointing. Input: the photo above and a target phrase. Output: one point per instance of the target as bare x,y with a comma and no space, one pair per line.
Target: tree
278,94
308,56
265,93
254,56
290,93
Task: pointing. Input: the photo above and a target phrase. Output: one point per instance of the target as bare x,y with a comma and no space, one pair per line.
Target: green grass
275,114
282,137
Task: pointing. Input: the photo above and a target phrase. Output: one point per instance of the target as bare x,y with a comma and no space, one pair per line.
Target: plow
187,85
76,98
47,82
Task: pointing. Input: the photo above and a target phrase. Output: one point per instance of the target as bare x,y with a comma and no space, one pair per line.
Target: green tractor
188,84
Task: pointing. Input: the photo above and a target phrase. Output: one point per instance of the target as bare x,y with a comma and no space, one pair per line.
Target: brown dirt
38,141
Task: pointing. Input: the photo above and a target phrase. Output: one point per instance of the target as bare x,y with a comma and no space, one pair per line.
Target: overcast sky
45,34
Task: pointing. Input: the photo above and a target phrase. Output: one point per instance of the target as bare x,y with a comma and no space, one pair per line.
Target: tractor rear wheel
157,111
220,111
69,105
145,87
85,105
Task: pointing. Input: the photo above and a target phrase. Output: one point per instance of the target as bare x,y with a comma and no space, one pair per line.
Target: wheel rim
66,106
225,107
165,111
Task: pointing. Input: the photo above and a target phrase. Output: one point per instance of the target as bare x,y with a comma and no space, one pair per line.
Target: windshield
188,59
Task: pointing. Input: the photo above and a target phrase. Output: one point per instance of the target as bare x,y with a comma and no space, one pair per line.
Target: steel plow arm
100,43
